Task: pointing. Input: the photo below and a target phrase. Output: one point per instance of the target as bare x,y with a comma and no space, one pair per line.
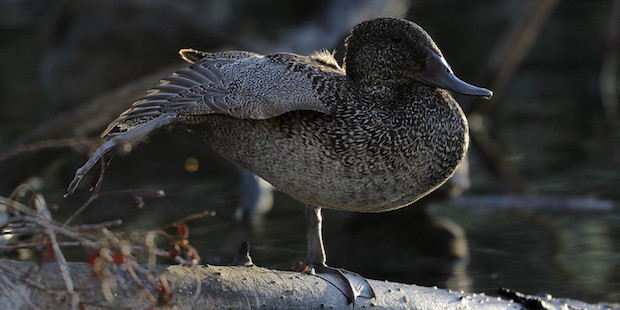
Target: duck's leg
351,284
314,238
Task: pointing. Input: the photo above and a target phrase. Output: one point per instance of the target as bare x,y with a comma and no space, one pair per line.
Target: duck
374,134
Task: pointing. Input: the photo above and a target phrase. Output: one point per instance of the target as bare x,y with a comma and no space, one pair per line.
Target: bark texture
22,286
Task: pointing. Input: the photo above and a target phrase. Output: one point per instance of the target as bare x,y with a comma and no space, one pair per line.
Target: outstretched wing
240,84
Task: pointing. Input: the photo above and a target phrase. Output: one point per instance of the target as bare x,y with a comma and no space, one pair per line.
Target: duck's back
364,156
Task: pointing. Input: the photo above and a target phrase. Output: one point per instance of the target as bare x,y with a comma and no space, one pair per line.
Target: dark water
462,246
571,254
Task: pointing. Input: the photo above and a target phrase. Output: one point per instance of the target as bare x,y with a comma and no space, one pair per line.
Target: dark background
551,134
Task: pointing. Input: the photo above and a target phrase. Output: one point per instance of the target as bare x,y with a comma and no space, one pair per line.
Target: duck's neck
378,83
372,86
370,74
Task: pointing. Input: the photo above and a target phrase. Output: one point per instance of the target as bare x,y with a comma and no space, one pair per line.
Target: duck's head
397,52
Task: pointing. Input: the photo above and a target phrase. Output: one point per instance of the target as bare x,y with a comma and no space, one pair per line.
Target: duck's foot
351,284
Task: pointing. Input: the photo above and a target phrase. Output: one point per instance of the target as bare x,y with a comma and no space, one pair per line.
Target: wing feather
239,84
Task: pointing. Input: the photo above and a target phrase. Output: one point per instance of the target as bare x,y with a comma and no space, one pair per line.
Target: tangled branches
28,231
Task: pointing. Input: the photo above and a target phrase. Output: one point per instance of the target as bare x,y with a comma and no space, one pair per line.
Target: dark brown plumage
373,136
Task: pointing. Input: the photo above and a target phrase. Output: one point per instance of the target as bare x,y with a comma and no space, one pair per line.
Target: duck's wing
240,84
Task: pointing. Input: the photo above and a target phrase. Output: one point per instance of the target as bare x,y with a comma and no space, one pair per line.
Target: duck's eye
396,38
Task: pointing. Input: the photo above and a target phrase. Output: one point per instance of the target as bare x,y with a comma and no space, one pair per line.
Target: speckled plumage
373,136
363,157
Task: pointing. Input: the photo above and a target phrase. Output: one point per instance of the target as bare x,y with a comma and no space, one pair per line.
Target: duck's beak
439,74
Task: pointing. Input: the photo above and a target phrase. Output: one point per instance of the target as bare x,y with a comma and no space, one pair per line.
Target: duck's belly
346,169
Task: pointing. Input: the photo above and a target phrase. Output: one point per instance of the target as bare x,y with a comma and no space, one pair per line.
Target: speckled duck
374,135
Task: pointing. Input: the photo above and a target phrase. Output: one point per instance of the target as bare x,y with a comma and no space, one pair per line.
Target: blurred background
535,210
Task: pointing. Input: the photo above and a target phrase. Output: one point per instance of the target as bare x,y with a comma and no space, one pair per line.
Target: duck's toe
351,284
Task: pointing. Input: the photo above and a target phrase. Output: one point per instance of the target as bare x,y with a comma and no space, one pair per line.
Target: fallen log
25,286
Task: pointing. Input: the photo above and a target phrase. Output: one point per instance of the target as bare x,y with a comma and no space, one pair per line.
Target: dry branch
235,287
217,287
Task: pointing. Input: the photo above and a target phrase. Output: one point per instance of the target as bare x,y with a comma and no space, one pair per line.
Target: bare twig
64,269
111,254
8,248
44,144
97,226
96,195
12,274
5,283
189,218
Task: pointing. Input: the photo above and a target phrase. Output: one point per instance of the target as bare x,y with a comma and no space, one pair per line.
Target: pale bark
214,287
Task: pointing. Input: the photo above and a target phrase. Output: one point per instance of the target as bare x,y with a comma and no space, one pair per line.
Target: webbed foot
351,284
